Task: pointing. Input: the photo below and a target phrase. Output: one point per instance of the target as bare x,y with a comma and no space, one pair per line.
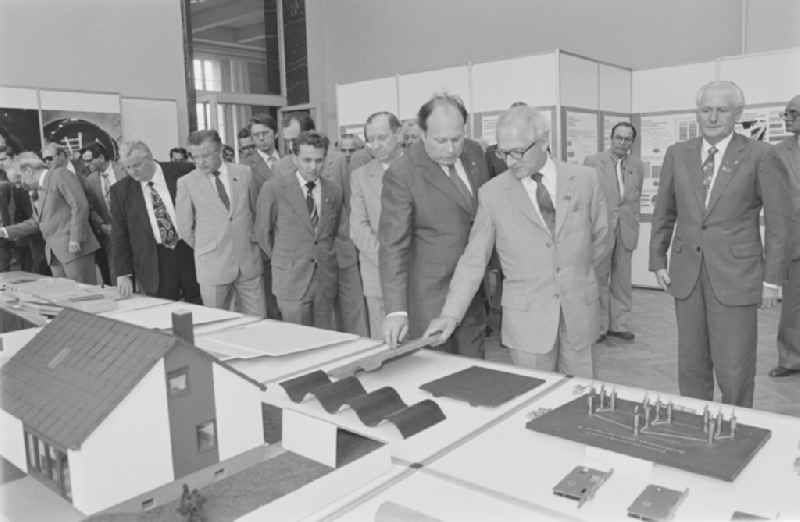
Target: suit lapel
326,205
789,155
519,199
565,190
727,170
237,190
471,168
296,199
694,166
135,194
436,176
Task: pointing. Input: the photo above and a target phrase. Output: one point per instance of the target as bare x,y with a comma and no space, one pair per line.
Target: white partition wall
415,89
153,121
356,101
669,88
18,98
531,79
764,77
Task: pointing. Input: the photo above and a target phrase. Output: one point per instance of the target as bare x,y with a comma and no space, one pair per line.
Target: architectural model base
700,443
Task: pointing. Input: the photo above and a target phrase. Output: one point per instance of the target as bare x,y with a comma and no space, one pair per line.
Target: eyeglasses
47,159
790,115
517,154
262,134
246,148
622,139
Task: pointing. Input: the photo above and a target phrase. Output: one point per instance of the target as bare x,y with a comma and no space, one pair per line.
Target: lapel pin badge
567,198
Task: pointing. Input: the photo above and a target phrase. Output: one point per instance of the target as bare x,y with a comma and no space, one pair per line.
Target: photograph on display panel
75,130
19,129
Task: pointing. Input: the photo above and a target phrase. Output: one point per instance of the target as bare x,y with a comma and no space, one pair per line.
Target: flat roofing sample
271,338
160,317
482,386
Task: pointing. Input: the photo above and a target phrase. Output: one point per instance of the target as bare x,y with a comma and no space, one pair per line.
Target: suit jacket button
558,269
547,244
703,227
697,248
555,296
230,219
315,241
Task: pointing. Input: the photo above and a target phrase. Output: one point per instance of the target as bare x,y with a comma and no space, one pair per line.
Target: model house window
178,381
207,436
49,464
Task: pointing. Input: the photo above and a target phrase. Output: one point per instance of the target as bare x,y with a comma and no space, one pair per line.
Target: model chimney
182,326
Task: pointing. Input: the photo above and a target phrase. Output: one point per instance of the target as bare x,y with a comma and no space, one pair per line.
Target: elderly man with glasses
547,221
620,175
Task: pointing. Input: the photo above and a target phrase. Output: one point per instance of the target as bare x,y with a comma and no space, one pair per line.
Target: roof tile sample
482,386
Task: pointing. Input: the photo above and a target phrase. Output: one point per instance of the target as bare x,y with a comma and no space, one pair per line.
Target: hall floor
650,361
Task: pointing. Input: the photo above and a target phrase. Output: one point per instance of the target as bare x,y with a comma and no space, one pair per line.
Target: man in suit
178,155
262,129
788,151
383,139
620,177
62,216
103,174
215,208
146,250
297,221
714,187
549,225
428,205
349,308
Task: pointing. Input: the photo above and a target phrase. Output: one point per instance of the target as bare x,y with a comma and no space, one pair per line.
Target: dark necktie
169,236
545,202
460,185
708,173
310,205
223,195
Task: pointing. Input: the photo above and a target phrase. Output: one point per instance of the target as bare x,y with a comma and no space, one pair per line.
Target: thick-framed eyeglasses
516,154
246,148
790,115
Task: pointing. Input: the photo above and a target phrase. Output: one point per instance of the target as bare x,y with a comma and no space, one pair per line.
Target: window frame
215,444
184,370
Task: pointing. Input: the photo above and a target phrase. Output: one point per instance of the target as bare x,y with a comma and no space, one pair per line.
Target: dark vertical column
296,52
188,57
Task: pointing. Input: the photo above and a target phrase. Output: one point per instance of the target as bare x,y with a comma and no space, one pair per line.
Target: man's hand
395,328
3,233
662,276
106,229
444,325
124,286
74,247
769,297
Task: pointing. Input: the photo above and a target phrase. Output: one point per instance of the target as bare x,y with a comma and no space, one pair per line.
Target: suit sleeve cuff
771,286
397,314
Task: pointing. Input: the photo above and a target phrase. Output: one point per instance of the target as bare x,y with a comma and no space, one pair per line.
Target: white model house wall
239,418
12,440
129,453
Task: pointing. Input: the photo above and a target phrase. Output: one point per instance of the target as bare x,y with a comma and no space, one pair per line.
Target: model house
101,410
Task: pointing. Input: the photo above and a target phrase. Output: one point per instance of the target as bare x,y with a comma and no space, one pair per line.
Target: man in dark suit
262,129
296,224
428,204
620,176
788,151
146,250
103,174
714,188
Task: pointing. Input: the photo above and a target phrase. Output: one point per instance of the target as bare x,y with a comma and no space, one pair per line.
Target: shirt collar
722,146
548,170
266,156
157,179
110,171
223,171
303,182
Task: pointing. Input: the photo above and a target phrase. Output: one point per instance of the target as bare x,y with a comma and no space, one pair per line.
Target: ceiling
233,24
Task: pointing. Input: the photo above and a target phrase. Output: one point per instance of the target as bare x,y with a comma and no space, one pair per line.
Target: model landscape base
703,443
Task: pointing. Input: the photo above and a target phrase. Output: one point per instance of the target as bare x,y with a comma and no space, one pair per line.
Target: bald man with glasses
547,221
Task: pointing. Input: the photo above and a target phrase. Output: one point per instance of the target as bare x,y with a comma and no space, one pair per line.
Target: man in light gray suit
788,151
215,208
548,222
620,176
61,213
714,187
382,131
296,225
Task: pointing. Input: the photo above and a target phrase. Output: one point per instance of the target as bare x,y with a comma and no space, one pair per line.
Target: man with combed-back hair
146,251
428,204
547,221
710,194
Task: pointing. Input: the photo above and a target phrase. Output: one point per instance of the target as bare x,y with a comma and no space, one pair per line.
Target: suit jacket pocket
204,249
744,251
515,297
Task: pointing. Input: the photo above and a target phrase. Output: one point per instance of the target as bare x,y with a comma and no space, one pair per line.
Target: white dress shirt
722,146
461,174
549,176
224,178
620,184
316,193
269,159
160,186
107,179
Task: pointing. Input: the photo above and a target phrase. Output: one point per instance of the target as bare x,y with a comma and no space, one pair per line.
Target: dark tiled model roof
74,372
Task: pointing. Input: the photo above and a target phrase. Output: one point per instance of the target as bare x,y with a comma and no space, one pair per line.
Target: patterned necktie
223,195
708,173
106,186
460,185
169,236
545,202
310,205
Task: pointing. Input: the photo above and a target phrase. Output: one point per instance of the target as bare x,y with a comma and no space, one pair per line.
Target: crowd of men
422,231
